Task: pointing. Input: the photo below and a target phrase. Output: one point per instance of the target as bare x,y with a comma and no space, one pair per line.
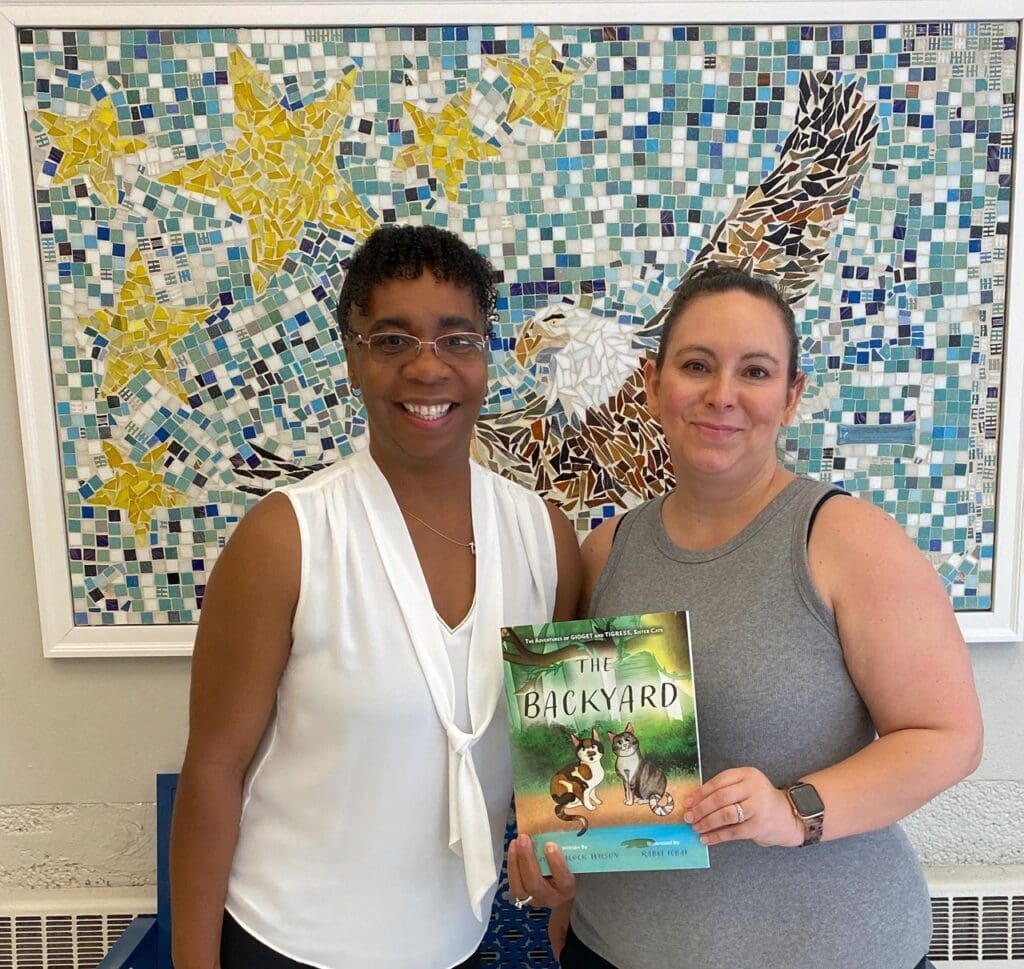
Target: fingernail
550,847
688,817
524,841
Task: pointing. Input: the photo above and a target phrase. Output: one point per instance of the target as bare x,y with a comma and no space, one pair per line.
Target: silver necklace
470,545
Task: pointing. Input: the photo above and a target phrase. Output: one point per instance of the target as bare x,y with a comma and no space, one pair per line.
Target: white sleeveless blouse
373,815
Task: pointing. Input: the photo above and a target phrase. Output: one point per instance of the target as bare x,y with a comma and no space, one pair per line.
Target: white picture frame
1002,623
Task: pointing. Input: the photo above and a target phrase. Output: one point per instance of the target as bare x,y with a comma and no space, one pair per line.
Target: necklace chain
471,545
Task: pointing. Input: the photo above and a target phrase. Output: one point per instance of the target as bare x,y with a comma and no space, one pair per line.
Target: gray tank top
773,692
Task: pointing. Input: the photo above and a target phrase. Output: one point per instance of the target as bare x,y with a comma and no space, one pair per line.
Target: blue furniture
136,949
514,940
146,943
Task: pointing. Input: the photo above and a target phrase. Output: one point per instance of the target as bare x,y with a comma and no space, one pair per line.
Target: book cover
603,721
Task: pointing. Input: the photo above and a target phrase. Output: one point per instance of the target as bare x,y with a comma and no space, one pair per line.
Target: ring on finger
521,903
740,816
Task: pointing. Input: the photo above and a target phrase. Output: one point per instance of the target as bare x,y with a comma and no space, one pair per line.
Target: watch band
812,829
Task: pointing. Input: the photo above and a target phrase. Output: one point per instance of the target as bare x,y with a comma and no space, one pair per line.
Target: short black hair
717,278
404,252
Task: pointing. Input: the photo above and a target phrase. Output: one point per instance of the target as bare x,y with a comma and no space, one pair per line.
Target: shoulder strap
831,493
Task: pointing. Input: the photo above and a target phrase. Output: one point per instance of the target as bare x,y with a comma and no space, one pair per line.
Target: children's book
603,721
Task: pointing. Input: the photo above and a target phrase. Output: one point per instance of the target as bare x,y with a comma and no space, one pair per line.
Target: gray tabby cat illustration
640,778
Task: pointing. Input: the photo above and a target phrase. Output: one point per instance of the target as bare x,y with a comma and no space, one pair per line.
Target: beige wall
70,730
87,736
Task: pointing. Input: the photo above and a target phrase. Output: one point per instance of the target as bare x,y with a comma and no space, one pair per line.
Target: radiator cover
977,915
66,929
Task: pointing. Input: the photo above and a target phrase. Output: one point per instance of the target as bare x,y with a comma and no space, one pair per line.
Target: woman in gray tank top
836,692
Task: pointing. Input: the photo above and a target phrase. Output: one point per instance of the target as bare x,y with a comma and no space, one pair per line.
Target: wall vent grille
971,925
76,941
980,928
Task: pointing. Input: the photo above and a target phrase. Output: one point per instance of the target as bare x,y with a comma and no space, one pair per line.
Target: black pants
239,950
576,955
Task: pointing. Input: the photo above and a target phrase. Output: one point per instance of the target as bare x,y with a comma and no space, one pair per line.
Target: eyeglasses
401,348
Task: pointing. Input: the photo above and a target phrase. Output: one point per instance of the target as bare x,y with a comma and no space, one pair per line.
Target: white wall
81,740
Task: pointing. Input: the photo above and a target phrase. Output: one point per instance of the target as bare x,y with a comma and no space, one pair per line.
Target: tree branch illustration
518,653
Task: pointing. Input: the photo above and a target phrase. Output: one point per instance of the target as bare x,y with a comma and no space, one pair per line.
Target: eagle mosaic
199,191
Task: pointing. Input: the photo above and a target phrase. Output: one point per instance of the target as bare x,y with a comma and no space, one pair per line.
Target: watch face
806,801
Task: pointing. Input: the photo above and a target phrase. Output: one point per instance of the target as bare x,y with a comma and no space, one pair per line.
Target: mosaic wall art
197,193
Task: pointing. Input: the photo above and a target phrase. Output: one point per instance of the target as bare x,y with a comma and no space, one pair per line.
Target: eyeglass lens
400,347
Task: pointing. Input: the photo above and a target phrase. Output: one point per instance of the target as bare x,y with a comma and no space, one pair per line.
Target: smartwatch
808,807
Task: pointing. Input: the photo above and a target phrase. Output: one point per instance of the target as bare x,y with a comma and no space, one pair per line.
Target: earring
357,391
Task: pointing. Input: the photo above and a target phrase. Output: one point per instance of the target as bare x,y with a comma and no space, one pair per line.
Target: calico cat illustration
576,784
641,780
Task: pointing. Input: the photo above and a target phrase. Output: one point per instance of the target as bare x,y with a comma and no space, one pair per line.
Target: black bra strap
814,511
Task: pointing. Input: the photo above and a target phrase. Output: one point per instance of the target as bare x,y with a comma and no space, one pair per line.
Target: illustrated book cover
603,725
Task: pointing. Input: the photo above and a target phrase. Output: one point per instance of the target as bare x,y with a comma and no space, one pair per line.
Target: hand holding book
604,746
555,891
525,879
742,802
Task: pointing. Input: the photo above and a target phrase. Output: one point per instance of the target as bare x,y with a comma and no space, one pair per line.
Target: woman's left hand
741,803
526,881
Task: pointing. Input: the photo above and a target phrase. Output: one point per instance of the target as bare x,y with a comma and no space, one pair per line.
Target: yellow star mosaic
445,142
137,489
281,172
540,86
89,147
142,332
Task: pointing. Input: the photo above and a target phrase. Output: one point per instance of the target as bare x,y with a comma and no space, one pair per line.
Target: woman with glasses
343,798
